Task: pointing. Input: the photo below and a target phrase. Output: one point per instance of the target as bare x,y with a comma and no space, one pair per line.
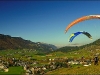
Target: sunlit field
43,59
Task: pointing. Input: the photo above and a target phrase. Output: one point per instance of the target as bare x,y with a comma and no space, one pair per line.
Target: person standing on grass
96,59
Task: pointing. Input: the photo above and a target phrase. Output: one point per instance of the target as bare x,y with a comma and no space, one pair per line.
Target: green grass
13,71
75,69
93,69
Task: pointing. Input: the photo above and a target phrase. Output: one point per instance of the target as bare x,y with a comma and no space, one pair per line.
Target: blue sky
45,21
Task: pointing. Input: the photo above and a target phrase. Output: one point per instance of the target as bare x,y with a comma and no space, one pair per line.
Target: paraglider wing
81,19
87,34
73,35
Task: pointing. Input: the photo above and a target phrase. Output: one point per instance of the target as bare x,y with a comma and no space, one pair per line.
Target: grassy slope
13,71
93,69
77,69
74,54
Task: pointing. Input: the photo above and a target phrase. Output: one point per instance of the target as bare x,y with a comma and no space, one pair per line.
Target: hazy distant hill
8,42
91,46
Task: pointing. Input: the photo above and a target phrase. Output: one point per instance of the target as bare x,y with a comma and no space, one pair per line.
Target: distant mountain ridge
91,46
8,42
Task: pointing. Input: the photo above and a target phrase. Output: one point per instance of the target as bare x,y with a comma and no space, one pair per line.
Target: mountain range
13,43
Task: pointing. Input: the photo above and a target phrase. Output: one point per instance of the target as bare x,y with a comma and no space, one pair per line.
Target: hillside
93,45
8,42
87,51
